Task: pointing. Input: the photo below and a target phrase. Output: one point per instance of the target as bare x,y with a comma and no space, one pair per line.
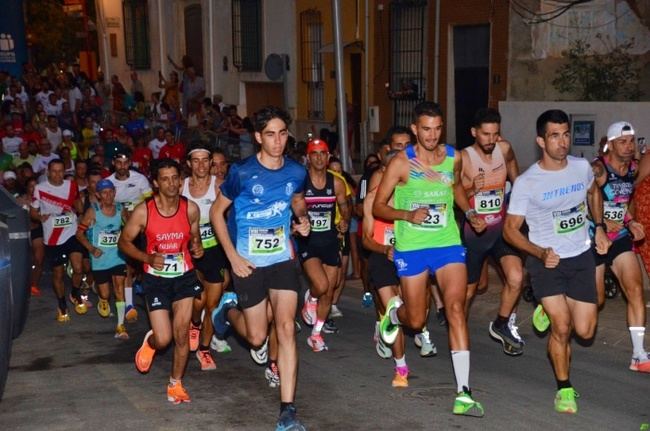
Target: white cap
9,175
67,132
618,129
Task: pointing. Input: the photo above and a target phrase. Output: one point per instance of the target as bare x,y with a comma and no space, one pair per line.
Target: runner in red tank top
171,226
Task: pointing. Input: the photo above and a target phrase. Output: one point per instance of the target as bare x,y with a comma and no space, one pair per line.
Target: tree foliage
599,77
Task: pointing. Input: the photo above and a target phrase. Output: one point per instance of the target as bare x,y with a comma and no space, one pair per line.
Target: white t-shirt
554,204
43,97
10,145
55,138
155,145
58,202
132,190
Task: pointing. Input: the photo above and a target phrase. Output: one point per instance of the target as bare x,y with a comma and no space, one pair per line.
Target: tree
601,77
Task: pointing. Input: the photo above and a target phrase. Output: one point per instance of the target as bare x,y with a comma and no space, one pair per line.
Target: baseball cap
618,129
121,155
67,132
9,175
104,184
317,145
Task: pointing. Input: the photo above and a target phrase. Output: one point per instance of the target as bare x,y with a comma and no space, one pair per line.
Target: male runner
170,224
263,190
98,231
487,164
319,253
425,181
615,174
202,189
55,205
552,197
131,188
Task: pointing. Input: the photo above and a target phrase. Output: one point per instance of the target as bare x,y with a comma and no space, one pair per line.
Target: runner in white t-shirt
157,143
554,196
55,205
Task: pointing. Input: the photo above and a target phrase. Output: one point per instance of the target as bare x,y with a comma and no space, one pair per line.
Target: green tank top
429,187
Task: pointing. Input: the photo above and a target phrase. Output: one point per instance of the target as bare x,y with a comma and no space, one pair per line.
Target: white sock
317,327
637,333
401,362
119,307
393,316
460,360
128,295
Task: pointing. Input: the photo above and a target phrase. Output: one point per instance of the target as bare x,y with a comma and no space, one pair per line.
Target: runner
487,164
170,224
263,190
552,197
615,174
203,189
131,188
55,206
98,231
319,253
425,180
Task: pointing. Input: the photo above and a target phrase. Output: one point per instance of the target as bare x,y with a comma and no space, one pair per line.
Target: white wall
518,123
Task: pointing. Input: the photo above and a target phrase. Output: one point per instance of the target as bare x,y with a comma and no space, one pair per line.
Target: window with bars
247,35
407,59
136,33
311,30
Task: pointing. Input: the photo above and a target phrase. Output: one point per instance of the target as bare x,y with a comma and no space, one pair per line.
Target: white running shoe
335,312
261,355
219,345
514,329
427,347
383,350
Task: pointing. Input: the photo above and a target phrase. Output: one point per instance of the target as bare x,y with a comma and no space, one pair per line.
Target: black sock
561,384
284,406
204,348
76,293
196,324
501,321
62,304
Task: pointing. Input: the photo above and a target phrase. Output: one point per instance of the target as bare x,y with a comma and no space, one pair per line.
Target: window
311,29
136,33
407,38
247,35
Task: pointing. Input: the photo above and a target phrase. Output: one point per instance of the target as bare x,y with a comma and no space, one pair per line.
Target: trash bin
17,220
6,306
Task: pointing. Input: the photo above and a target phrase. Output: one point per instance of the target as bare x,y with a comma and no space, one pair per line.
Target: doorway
194,36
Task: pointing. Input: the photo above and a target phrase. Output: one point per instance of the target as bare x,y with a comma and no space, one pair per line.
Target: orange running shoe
144,355
177,394
401,379
131,314
206,361
195,332
79,306
35,291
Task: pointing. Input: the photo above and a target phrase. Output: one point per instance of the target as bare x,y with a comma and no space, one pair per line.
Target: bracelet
601,224
470,212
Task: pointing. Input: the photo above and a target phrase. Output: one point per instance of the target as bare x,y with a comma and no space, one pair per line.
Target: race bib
320,221
614,211
389,236
489,201
208,239
263,241
173,266
569,220
62,220
108,238
437,217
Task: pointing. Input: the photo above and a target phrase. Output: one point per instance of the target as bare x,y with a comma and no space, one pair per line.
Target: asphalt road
78,376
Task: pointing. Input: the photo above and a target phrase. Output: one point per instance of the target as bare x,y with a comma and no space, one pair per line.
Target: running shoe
316,343
465,405
511,346
79,306
120,332
62,317
423,341
220,314
177,394
103,308
35,291
288,421
219,345
366,300
441,316
640,364
138,289
376,336
541,322
272,375
335,312
401,378
261,355
298,327
387,329
565,401
131,314
514,329
309,310
382,349
144,355
206,361
330,327
195,333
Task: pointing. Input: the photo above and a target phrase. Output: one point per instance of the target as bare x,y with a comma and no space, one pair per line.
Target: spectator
136,84
118,94
170,96
193,88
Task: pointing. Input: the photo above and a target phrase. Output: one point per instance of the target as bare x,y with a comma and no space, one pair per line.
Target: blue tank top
104,235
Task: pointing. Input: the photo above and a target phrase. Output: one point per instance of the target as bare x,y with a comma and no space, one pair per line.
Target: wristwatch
470,212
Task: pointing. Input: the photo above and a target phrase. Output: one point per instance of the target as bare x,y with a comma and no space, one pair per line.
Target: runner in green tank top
425,179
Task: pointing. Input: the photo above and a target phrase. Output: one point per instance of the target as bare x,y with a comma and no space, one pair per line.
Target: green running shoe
565,401
465,405
541,322
387,329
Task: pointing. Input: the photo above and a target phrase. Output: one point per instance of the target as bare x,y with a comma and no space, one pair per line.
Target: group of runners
223,252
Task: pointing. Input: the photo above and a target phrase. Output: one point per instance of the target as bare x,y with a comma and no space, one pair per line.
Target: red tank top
170,237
